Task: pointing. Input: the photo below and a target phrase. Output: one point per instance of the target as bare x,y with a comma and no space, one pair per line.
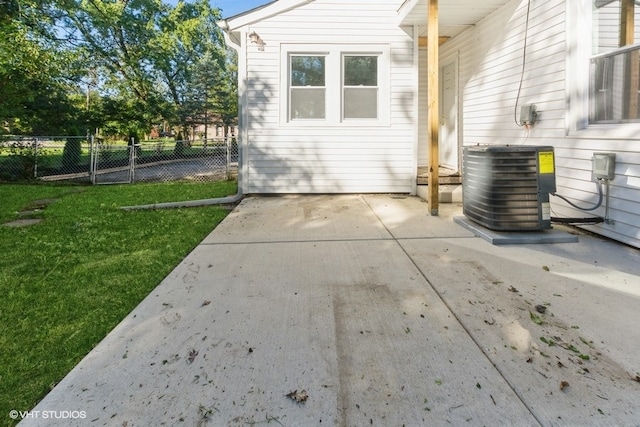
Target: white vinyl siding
490,67
335,154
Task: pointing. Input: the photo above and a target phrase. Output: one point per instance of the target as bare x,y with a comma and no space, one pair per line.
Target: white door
449,116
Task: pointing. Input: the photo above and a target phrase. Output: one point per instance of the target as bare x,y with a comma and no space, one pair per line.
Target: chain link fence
24,158
101,161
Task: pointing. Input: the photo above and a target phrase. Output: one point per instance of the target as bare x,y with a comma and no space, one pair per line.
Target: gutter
221,200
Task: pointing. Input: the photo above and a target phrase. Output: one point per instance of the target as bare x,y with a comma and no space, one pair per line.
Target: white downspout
241,139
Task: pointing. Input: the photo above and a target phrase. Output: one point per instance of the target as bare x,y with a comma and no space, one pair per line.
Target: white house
334,98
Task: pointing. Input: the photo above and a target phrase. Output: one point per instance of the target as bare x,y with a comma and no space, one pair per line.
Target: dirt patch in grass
26,222
30,214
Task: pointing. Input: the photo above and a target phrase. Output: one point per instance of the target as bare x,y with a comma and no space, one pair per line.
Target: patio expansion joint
455,316
372,239
267,242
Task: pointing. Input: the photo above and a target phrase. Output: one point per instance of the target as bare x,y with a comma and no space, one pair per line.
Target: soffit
454,15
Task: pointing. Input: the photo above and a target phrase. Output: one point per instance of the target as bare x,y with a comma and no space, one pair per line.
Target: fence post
93,158
132,160
228,163
35,158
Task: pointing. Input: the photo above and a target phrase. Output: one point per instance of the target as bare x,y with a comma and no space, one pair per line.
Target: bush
178,151
25,152
71,153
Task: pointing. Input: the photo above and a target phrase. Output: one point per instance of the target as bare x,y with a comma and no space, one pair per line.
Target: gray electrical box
528,114
603,166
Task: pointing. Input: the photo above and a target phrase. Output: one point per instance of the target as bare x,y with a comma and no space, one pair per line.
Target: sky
232,7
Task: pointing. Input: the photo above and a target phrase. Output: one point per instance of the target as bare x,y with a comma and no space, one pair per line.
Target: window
307,90
614,88
360,87
335,85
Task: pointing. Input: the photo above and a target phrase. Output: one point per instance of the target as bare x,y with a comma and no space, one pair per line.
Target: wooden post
627,22
433,122
627,37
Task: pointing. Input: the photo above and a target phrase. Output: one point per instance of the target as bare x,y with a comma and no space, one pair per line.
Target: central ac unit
506,187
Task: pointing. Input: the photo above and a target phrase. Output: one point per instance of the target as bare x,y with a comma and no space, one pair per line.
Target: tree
156,62
35,72
147,48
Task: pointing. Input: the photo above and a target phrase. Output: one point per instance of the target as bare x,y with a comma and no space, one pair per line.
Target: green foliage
69,280
71,153
178,150
121,66
36,71
23,153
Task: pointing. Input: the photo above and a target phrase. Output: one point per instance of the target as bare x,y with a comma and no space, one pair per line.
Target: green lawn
66,282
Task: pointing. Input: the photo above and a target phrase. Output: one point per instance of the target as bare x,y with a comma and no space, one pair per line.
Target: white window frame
345,87
291,88
334,54
579,54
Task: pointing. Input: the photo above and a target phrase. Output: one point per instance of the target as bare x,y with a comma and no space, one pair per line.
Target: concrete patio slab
292,218
382,314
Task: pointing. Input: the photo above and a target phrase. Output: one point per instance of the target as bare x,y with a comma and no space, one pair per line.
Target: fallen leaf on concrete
547,341
587,342
535,318
573,348
566,345
545,268
563,385
298,396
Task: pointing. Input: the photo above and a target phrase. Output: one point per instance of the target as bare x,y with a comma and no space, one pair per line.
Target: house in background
333,94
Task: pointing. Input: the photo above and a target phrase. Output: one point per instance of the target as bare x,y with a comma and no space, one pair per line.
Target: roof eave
259,13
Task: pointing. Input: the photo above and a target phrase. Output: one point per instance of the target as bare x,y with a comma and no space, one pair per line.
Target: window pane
360,103
307,103
360,70
614,92
615,72
307,71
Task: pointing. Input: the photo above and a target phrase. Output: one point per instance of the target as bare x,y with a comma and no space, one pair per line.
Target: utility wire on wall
524,63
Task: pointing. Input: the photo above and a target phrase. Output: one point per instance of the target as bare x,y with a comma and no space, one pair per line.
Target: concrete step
449,193
446,176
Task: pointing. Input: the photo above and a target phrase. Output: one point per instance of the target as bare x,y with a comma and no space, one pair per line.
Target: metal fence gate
112,164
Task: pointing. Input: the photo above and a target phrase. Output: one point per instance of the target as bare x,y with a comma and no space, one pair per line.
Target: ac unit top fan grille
507,187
